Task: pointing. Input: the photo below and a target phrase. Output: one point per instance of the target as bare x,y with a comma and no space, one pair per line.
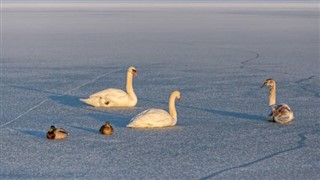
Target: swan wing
111,92
110,98
151,118
281,109
282,113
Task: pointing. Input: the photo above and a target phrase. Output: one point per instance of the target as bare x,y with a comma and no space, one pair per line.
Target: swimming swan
280,113
115,97
155,118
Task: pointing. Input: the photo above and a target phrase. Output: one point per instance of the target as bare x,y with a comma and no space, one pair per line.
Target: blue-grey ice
216,54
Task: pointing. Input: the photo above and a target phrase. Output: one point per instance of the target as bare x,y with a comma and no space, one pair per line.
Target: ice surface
217,57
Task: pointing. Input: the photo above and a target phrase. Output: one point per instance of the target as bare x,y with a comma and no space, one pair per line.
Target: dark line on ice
304,79
243,63
300,83
300,144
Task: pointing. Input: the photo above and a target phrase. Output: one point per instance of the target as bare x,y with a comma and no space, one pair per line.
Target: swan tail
88,101
134,125
130,125
284,118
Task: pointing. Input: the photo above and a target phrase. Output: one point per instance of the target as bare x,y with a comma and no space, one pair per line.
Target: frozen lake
218,55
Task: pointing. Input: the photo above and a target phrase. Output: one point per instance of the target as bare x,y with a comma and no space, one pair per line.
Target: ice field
217,54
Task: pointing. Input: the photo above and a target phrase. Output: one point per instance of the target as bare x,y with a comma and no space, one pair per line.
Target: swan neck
272,96
172,107
129,86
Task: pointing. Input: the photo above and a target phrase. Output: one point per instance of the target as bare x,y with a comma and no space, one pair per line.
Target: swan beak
264,84
179,98
135,74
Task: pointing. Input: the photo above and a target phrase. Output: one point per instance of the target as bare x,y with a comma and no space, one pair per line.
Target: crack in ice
47,99
243,63
300,81
300,144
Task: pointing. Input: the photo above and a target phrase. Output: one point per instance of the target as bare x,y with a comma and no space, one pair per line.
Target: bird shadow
115,120
218,112
67,100
84,128
230,114
33,89
37,134
62,99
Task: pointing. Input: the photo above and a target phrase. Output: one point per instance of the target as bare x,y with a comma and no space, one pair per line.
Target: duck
157,118
106,129
280,113
112,97
57,133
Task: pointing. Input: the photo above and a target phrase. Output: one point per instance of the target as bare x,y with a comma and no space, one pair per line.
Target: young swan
280,113
115,97
106,129
155,118
57,133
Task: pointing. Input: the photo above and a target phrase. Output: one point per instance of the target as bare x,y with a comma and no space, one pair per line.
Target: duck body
57,133
157,118
106,129
112,97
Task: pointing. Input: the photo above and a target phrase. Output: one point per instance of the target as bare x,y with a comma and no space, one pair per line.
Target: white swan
115,97
280,113
155,118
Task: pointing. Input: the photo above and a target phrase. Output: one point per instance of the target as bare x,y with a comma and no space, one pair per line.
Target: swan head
269,82
176,94
133,71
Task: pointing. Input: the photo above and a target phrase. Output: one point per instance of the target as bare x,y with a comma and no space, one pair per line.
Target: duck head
107,124
52,129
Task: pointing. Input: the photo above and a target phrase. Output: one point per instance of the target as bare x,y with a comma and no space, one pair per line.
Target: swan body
106,129
115,97
57,133
156,118
280,113
152,118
